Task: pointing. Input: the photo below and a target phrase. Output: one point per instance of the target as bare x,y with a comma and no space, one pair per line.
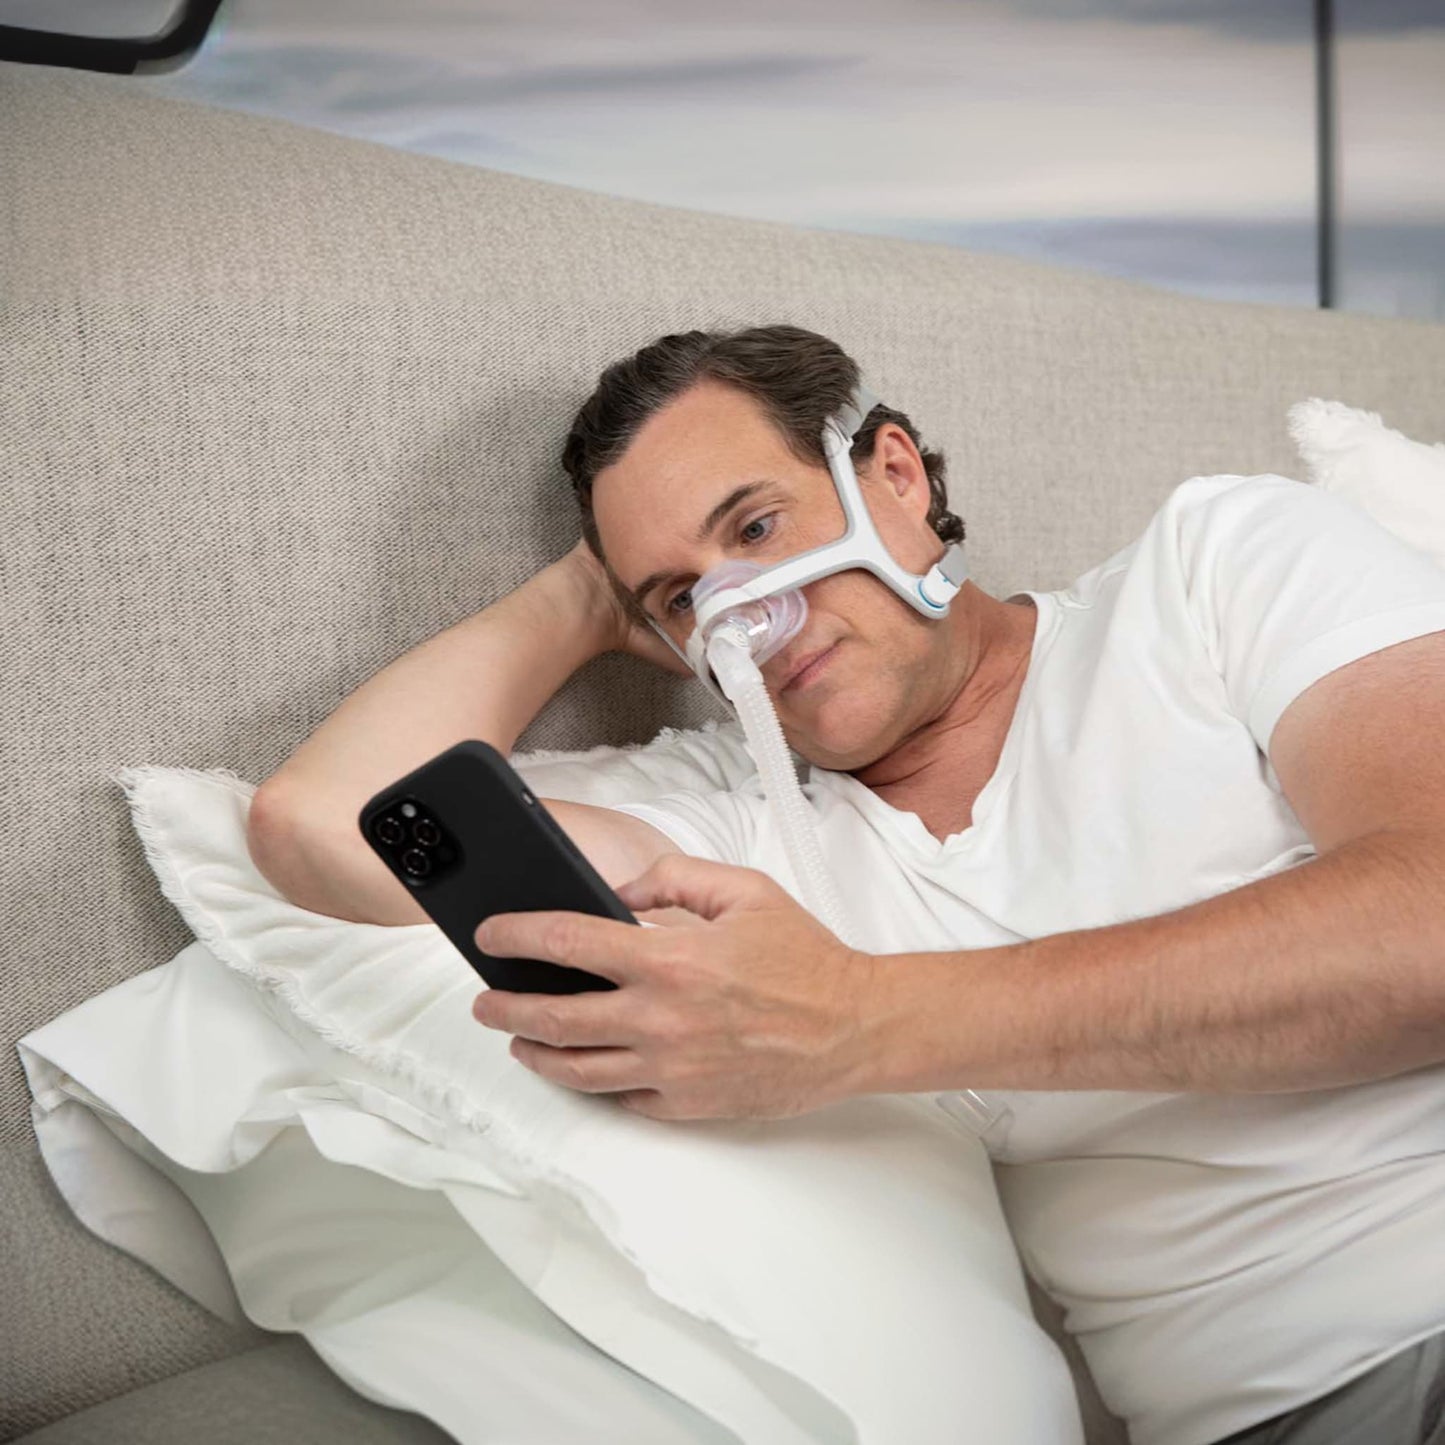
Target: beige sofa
276,406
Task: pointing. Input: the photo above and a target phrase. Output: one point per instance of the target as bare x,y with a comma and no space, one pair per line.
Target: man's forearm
1330,973
485,677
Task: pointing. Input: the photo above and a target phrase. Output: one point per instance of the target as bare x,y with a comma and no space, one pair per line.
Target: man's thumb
678,880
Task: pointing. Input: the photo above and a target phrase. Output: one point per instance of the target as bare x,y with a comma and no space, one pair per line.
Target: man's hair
800,377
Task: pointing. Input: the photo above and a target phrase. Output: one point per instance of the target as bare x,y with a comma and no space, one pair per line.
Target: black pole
1325,130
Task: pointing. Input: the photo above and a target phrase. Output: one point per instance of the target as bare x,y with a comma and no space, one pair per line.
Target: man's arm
1330,973
486,677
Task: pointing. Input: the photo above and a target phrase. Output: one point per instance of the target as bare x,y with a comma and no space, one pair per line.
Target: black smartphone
466,836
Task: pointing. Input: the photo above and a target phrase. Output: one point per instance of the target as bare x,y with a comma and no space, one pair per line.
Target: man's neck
939,770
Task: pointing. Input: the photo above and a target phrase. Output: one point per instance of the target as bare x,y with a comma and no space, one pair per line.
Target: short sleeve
707,825
1287,583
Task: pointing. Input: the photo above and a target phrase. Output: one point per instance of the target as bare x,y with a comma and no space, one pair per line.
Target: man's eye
685,596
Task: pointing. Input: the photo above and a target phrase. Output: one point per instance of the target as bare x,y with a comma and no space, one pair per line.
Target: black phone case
467,838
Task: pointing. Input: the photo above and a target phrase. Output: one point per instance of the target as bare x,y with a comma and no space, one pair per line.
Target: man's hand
624,632
754,1010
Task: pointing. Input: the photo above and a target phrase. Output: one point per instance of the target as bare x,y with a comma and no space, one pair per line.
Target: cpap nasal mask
745,614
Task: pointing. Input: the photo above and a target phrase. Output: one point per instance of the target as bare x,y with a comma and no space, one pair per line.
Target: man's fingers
606,946
569,1020
593,1071
669,917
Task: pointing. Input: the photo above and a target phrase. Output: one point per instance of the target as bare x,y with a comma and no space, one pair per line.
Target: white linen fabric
1221,1258
1352,453
844,1276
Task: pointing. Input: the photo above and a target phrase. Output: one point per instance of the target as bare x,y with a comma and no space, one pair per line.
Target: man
1158,859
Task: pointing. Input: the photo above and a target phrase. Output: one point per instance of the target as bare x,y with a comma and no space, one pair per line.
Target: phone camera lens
389,830
426,833
415,862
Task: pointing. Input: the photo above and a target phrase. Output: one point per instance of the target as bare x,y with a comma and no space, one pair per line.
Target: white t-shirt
1221,1258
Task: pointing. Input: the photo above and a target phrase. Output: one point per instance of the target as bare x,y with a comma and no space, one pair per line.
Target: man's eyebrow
734,498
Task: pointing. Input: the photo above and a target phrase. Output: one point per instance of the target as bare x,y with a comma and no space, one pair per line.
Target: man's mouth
809,666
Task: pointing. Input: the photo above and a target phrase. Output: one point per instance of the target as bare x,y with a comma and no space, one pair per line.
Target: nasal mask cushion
768,624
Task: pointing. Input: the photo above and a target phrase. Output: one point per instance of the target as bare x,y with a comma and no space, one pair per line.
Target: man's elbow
337,877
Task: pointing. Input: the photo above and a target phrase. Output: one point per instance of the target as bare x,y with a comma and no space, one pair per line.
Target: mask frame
860,546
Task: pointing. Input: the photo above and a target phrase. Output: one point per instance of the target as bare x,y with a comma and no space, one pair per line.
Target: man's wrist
573,601
885,1060
916,1027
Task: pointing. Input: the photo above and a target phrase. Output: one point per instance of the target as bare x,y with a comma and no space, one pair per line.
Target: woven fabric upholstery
81,1321
279,405
278,1394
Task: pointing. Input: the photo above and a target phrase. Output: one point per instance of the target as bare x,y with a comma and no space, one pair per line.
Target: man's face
888,672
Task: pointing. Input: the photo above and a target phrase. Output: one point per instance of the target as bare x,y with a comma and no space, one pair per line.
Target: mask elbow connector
730,656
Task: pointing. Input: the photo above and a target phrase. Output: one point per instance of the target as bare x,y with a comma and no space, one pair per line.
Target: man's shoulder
1205,520
1220,498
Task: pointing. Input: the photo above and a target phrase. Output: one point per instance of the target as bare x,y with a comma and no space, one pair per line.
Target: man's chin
830,726
839,749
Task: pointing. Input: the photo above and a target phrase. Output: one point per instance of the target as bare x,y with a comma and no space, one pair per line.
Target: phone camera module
417,848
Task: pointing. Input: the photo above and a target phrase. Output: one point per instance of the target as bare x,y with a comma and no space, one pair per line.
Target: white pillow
242,1170
846,1275
1352,453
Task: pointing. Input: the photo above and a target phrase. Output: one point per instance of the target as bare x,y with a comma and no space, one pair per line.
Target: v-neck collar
909,827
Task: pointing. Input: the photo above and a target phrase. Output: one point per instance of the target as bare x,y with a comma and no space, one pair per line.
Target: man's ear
896,461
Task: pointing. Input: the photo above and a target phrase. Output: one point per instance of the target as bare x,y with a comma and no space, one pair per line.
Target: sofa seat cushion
274,1395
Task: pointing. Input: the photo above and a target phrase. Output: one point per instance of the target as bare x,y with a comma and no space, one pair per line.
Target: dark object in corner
168,50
